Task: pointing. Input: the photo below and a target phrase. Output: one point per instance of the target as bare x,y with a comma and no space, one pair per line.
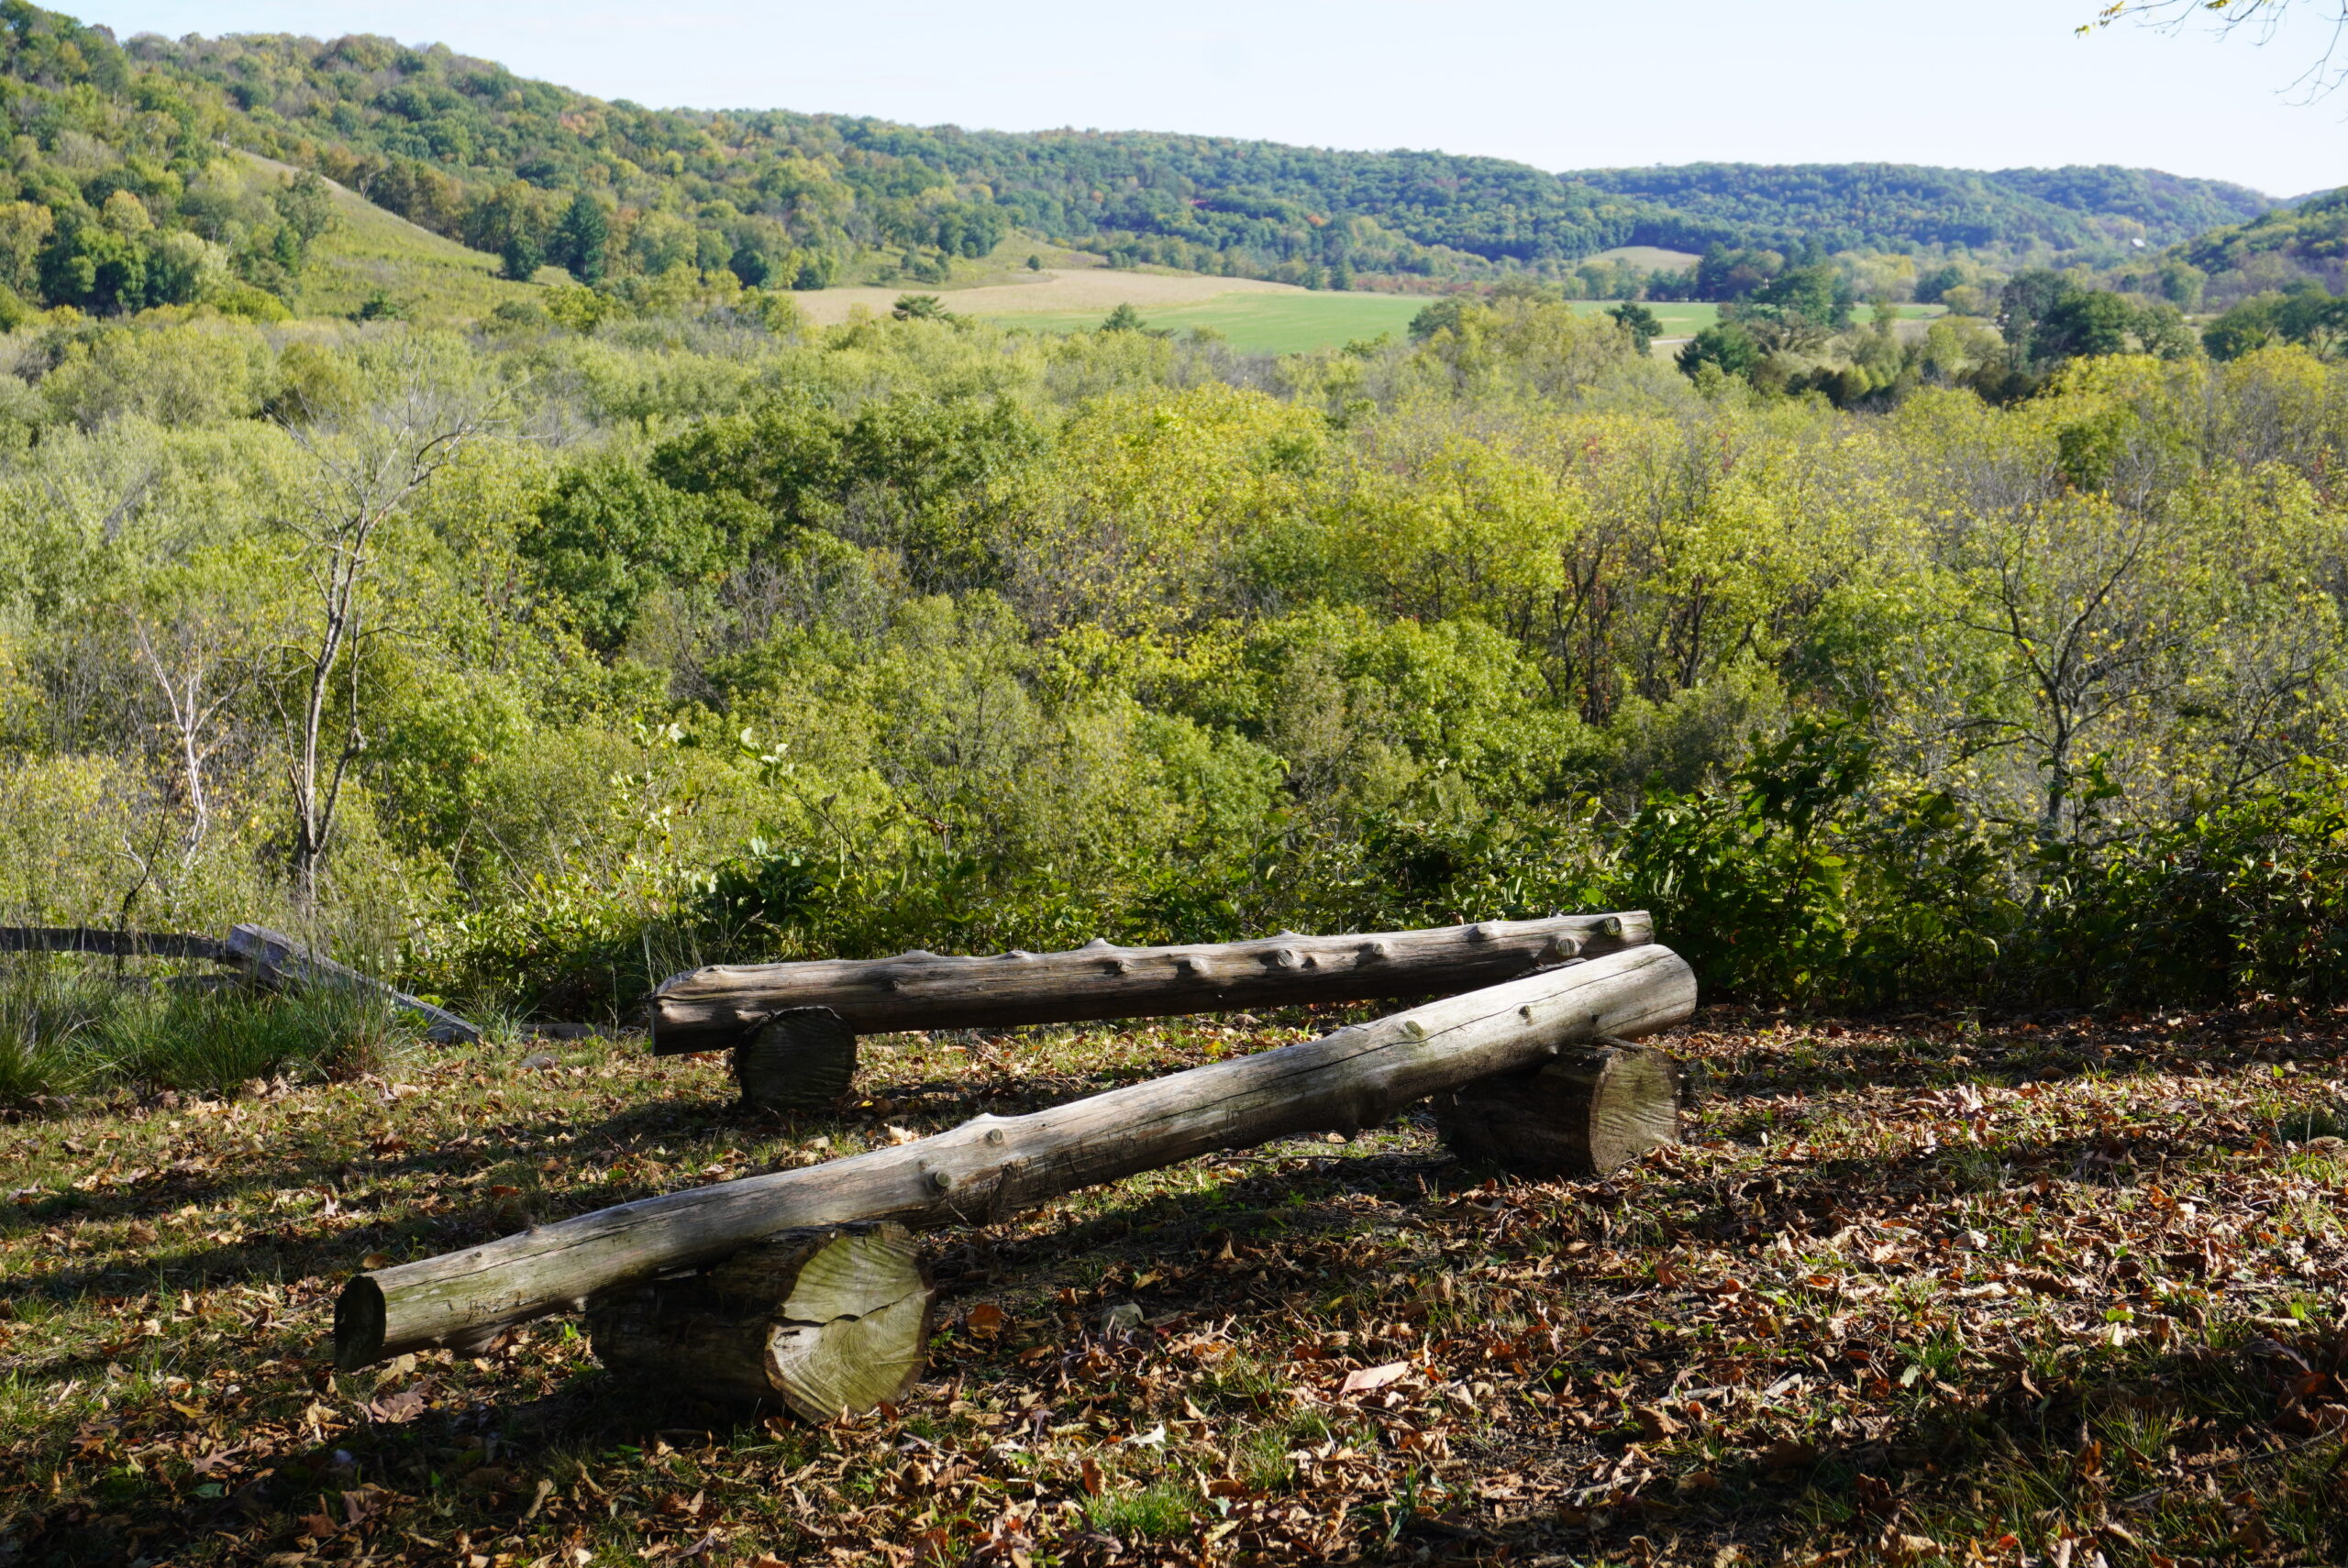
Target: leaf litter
1933,1291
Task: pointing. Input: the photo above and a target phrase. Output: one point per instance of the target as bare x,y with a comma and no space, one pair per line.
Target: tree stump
825,1320
801,1059
1585,1114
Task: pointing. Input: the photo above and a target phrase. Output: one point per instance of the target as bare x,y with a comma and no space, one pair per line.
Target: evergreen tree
582,238
523,255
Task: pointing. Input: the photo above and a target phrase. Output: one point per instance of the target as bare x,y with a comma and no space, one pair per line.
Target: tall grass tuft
53,1017
66,1030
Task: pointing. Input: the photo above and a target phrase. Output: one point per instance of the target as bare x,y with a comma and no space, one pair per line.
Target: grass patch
68,1029
1255,324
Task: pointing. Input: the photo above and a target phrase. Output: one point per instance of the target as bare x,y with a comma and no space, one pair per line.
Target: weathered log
1585,1113
990,1167
273,958
711,1009
825,1320
111,943
796,1061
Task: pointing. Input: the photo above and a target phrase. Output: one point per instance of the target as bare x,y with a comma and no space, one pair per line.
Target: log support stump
801,1059
825,1320
1587,1113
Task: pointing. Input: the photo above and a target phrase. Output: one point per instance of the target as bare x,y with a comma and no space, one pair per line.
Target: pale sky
1565,84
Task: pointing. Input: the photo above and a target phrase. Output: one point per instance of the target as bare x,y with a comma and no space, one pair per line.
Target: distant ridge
1846,206
123,155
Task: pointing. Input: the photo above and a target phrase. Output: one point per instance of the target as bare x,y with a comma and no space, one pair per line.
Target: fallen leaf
403,1406
1370,1378
1655,1425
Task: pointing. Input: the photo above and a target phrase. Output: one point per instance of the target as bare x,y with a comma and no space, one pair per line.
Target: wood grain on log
825,1320
990,1167
798,1060
1585,1113
716,1008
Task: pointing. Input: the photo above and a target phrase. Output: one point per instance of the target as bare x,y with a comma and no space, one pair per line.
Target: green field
1256,324
1681,318
1297,324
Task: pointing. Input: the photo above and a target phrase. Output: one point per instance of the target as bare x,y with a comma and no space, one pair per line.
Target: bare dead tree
194,667
2090,623
365,468
2265,20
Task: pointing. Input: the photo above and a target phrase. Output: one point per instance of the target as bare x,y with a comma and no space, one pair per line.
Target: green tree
521,257
306,206
1125,318
611,536
1644,326
2306,316
1730,346
582,239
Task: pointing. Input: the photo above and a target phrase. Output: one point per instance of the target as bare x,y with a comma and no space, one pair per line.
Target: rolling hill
132,189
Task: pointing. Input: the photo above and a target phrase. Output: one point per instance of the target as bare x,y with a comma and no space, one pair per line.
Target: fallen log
273,959
992,1167
717,1008
826,1320
1587,1112
109,944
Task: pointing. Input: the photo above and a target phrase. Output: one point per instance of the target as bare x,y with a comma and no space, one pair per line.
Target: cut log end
823,1320
799,1060
358,1324
1586,1114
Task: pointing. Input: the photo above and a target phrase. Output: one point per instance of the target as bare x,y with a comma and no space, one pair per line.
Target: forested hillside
1880,206
127,196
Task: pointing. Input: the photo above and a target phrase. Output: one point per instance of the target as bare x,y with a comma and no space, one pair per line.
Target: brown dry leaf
374,1260
1655,1425
403,1406
1368,1377
1790,1454
986,1321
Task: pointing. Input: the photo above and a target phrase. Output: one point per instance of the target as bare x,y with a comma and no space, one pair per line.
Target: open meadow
1256,317
1944,1290
1253,318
